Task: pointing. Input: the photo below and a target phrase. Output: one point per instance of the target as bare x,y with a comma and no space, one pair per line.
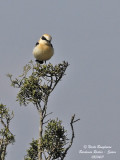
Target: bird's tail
41,62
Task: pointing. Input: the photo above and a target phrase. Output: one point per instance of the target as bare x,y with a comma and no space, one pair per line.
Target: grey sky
86,33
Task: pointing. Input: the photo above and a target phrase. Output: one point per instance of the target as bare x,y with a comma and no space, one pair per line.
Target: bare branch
76,120
46,121
73,135
48,114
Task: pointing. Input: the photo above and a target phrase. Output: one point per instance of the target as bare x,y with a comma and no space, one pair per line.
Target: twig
46,121
48,114
73,135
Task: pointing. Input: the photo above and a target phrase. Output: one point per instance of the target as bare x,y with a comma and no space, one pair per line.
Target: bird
43,49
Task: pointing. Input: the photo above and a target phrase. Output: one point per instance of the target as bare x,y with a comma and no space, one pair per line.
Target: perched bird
43,50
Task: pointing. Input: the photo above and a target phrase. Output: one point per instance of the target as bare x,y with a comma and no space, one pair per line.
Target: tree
35,88
6,137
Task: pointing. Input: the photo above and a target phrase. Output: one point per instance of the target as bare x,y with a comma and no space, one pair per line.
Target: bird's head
45,39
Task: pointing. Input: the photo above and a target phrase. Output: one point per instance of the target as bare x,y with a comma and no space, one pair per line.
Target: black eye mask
43,38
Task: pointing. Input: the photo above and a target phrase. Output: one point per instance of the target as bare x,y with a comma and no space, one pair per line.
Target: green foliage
5,118
54,139
32,152
36,87
53,142
6,137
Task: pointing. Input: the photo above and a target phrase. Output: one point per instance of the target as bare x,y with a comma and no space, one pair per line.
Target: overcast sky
86,33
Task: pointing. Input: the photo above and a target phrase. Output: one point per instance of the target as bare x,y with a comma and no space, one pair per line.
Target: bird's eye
43,38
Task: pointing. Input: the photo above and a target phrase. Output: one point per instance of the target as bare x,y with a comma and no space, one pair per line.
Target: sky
86,34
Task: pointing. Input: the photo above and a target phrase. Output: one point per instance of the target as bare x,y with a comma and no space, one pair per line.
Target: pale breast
43,52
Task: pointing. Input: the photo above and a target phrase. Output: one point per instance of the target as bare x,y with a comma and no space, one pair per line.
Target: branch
48,114
56,82
73,136
51,81
3,123
46,121
45,107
